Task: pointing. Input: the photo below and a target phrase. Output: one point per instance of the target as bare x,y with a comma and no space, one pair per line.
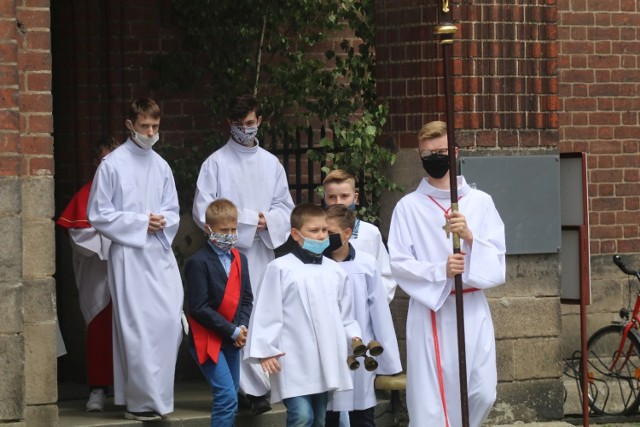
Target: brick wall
12,390
27,259
505,82
102,60
599,113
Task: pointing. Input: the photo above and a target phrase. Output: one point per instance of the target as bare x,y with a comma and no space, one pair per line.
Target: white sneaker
96,400
143,416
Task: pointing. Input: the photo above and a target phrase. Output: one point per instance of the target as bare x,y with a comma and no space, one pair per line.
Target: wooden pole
446,30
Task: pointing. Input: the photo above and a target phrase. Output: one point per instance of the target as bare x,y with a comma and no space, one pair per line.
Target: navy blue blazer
206,283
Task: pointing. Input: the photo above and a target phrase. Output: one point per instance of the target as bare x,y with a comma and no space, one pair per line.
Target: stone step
192,409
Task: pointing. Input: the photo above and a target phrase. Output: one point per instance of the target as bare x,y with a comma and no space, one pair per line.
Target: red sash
75,214
207,342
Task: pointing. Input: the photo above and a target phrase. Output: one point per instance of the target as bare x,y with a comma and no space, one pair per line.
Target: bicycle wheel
614,376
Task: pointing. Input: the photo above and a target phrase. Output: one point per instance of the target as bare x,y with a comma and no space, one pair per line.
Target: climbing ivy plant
270,49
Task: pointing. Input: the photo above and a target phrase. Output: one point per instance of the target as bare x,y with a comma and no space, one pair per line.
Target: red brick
605,175
604,190
628,190
34,61
607,218
10,165
9,98
578,76
8,75
607,204
40,123
36,145
607,62
37,3
7,8
37,40
628,161
34,18
625,246
35,103
632,203
628,217
40,166
9,142
38,82
630,231
606,232
9,119
8,52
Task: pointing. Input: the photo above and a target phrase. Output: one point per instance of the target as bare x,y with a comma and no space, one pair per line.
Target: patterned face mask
222,241
244,135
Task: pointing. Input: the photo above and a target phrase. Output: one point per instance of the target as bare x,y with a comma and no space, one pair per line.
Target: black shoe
243,402
259,404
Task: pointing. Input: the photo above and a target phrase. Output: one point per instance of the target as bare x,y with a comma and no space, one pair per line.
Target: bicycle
613,355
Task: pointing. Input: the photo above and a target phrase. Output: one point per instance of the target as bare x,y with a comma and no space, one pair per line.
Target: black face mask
335,242
436,165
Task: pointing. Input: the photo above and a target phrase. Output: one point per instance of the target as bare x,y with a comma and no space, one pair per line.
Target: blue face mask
315,246
352,206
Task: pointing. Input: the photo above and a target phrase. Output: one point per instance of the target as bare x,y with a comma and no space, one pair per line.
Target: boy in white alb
134,203
302,323
255,181
340,188
423,262
372,313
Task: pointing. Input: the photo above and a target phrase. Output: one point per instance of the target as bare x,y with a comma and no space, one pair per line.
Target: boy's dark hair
108,143
301,213
242,106
346,217
143,107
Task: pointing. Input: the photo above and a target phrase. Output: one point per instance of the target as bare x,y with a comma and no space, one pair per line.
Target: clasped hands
156,223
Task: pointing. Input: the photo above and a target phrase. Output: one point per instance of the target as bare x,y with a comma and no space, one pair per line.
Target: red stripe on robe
75,214
206,342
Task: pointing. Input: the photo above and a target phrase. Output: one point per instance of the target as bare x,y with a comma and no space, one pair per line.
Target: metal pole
446,30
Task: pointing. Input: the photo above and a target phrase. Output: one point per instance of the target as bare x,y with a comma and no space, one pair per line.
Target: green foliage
354,149
270,49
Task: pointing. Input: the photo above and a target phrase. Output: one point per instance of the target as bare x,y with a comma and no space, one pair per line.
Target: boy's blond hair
303,212
432,130
220,210
338,176
346,217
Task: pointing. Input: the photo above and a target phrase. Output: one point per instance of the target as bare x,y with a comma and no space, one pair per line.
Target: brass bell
358,347
353,362
375,348
370,364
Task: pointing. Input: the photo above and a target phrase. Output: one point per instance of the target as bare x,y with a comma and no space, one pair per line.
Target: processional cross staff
446,30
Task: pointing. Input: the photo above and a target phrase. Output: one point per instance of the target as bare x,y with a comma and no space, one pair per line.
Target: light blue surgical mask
314,246
352,206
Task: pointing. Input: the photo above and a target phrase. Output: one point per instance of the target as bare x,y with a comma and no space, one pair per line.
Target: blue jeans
223,377
306,411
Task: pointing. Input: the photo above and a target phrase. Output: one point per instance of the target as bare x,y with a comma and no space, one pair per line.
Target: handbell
375,348
353,362
370,364
358,347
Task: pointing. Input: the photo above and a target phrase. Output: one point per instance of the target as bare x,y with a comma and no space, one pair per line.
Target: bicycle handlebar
617,260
